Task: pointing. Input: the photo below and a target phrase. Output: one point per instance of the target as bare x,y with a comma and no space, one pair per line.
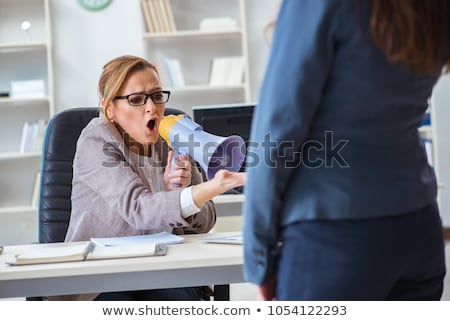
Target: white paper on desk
159,238
231,239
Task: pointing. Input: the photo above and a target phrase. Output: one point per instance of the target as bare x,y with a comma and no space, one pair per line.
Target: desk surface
188,264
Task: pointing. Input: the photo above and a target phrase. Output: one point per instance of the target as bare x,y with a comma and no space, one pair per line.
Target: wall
84,41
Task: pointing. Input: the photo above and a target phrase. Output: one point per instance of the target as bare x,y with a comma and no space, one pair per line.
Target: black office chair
59,146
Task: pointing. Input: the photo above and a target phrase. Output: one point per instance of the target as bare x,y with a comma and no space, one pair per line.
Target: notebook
85,252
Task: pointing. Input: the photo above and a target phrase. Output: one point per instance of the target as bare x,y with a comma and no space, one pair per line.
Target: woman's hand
177,175
222,181
267,290
227,180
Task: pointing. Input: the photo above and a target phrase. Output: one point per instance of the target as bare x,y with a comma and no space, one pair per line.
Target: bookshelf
201,32
26,95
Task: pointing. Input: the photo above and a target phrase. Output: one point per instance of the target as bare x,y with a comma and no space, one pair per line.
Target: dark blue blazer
335,133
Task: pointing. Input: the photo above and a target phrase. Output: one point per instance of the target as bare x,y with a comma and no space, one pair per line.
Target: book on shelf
174,71
169,15
163,19
226,71
159,238
149,23
75,252
158,15
32,136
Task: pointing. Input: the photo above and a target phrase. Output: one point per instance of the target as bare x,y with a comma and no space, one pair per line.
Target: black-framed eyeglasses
139,99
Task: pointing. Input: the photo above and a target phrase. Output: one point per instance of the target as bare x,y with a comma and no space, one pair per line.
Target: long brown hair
414,32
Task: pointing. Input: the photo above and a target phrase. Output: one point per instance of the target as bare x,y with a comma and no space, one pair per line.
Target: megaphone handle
172,168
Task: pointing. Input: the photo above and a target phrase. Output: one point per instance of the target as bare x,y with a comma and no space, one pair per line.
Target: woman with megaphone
124,182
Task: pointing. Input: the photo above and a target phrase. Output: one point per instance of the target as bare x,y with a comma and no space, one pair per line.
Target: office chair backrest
58,151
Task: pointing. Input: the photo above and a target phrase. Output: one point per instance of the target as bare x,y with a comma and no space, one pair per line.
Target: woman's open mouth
151,124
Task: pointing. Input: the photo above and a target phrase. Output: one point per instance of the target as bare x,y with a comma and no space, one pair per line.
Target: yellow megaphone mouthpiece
166,125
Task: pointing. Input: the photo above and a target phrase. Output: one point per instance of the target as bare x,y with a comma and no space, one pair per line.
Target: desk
188,264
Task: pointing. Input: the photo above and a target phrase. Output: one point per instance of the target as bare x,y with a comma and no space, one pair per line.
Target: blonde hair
116,73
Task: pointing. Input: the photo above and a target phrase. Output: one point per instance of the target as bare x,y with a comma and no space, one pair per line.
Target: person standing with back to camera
123,182
342,204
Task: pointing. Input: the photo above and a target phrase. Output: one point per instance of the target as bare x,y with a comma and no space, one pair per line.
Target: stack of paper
159,238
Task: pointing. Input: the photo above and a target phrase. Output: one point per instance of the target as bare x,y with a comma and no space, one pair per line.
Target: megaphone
212,152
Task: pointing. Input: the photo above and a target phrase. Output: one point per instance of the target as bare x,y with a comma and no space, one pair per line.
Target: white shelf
6,101
18,155
191,34
18,209
22,46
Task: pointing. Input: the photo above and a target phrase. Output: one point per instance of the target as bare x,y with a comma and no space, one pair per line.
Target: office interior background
83,41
